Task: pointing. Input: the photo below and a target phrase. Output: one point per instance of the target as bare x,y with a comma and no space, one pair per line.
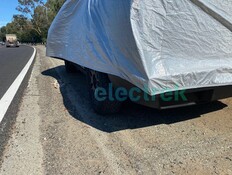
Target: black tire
100,80
70,67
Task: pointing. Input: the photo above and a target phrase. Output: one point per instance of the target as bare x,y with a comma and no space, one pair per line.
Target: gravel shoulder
57,132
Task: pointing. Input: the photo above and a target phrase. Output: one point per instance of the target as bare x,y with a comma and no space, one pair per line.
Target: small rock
227,158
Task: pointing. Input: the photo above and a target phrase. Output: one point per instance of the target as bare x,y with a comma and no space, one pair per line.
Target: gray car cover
157,45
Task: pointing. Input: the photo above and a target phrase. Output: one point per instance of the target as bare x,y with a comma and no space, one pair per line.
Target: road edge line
8,97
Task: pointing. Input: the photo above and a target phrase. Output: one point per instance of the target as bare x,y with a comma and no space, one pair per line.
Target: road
57,132
12,61
13,82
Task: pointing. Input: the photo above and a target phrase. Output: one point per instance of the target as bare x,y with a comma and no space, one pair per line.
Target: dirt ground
57,132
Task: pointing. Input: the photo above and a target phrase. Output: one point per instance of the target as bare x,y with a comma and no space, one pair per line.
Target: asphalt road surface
57,132
12,61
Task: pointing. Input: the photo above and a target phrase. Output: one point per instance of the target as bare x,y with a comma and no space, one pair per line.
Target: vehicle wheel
100,80
70,67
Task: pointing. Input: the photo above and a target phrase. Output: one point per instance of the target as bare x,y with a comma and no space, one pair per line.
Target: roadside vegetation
32,22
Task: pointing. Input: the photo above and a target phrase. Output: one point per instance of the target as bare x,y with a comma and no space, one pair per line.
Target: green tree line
33,21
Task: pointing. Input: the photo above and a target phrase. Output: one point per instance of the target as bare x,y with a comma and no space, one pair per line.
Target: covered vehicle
11,40
159,46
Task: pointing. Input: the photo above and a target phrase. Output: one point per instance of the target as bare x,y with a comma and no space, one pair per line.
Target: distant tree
20,26
41,14
27,7
40,20
3,29
34,21
53,8
2,33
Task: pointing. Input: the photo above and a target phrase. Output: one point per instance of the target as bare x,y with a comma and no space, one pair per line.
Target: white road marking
10,93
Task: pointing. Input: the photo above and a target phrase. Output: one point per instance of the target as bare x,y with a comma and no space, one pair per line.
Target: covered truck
11,40
158,46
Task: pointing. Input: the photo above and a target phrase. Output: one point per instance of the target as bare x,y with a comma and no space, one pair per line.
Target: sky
7,10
